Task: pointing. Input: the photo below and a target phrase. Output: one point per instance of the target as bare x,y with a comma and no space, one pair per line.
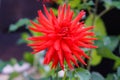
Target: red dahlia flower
62,37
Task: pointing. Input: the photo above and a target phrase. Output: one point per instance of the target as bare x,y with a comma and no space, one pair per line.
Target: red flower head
62,37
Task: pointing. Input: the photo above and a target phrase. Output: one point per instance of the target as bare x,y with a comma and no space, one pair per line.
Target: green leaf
99,25
55,11
13,27
60,1
13,75
107,3
82,74
112,3
111,77
28,57
20,23
23,38
107,53
116,64
116,4
95,58
111,42
96,76
13,61
74,3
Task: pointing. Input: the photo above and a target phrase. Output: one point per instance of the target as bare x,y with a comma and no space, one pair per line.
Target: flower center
64,32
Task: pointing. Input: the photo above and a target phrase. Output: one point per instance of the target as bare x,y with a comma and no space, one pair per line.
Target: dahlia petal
49,55
79,17
42,47
74,61
38,38
47,13
89,34
79,58
34,29
67,58
57,44
59,10
80,51
39,30
78,26
86,29
86,45
55,61
88,39
81,35
54,19
70,16
68,10
43,17
52,13
47,26
61,16
35,24
65,47
61,59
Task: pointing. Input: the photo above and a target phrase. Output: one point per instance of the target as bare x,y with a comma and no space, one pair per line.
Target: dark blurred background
13,10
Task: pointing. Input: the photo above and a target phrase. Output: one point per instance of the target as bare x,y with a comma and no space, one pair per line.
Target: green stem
35,63
64,78
105,11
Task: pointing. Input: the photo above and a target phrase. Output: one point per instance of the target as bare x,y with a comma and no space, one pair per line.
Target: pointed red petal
79,58
61,59
57,44
49,55
79,17
65,47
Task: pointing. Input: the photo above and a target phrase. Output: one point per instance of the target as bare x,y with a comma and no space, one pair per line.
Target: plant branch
105,11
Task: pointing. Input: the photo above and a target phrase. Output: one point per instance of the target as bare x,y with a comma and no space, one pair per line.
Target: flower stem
64,77
35,63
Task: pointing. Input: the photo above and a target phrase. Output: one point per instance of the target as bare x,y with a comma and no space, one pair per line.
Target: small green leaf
13,61
20,23
95,59
99,25
116,4
111,42
82,74
60,1
13,75
97,76
13,27
74,3
23,38
55,11
110,77
28,57
116,64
